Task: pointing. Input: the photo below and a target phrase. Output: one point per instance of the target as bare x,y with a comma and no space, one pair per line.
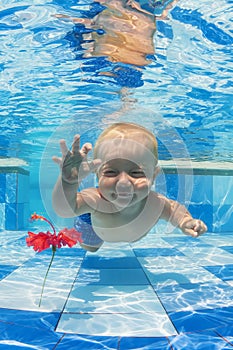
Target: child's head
128,131
129,158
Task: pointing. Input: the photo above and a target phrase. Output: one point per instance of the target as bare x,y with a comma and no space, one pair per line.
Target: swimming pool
167,291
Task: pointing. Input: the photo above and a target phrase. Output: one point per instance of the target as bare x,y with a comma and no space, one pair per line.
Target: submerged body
123,207
128,34
121,32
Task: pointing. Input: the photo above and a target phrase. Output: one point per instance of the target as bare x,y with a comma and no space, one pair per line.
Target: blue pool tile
5,270
226,332
84,342
224,194
63,252
154,252
2,188
23,188
227,234
195,296
208,256
224,272
89,298
199,320
112,276
3,327
202,188
164,262
149,343
98,262
223,218
161,278
186,241
58,262
206,340
29,318
11,188
172,274
192,321
15,214
28,337
117,324
174,183
203,212
228,249
10,216
113,250
71,252
2,216
220,316
22,215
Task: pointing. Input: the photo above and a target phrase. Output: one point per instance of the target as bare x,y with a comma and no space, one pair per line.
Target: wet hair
128,131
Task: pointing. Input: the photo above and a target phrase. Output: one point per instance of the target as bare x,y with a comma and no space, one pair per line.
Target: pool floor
167,291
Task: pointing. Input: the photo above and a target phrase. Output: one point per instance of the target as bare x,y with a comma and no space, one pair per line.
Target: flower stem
42,290
53,228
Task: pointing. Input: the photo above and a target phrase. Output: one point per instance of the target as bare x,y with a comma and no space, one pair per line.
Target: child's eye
137,173
110,173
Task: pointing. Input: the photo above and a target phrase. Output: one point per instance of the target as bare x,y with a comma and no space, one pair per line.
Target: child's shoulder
158,201
157,196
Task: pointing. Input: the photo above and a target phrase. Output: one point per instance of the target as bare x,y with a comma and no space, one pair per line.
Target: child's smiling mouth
123,195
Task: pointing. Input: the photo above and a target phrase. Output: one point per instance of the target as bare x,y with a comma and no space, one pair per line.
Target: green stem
42,290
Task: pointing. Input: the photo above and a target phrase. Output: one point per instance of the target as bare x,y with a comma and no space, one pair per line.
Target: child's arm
179,216
74,168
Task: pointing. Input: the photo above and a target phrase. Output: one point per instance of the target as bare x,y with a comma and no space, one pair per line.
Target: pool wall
14,198
211,200
211,191
206,190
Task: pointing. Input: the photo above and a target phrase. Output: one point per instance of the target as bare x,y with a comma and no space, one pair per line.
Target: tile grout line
156,293
71,288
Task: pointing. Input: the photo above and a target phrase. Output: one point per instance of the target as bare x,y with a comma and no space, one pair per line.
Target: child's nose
123,180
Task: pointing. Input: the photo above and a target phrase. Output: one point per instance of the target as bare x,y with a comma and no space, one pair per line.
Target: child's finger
95,164
195,232
57,160
63,147
200,227
87,147
191,233
76,144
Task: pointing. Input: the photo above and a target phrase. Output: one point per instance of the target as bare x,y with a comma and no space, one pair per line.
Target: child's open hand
74,164
193,227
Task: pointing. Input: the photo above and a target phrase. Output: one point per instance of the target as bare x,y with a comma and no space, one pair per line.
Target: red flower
37,217
39,241
43,240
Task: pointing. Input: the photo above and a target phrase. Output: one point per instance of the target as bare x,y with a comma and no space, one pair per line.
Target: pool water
167,291
47,80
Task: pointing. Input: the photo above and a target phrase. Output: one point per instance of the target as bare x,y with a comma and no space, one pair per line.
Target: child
123,207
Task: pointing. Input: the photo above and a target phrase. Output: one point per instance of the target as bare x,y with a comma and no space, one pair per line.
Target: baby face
127,171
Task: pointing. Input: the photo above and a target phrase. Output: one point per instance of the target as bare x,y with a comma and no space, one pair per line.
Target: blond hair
128,131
